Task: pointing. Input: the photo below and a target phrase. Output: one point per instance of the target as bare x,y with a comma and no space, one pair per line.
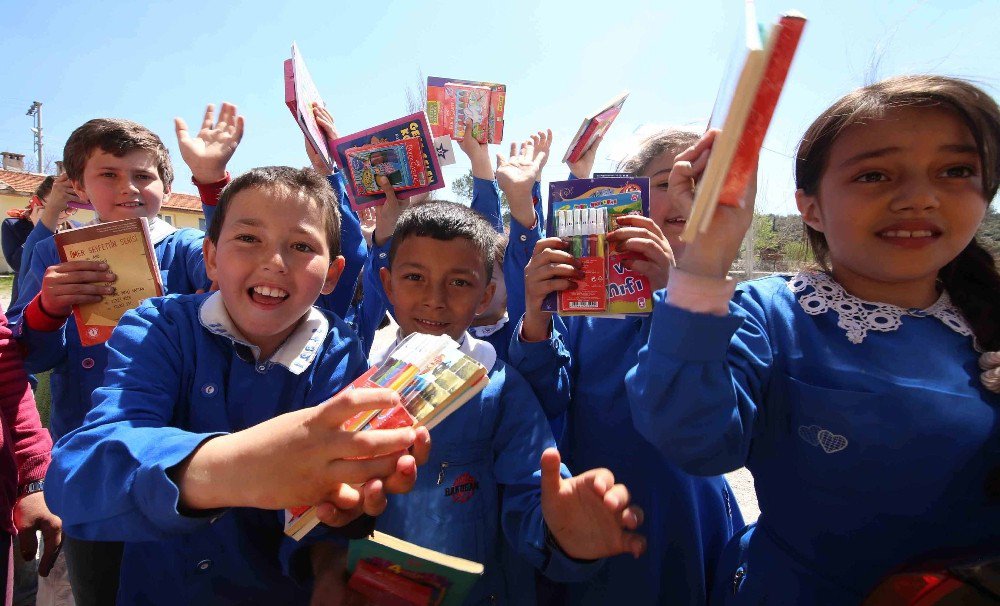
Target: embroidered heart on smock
810,434
831,442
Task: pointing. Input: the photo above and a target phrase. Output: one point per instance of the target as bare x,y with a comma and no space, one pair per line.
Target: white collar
481,332
857,316
158,229
480,351
296,353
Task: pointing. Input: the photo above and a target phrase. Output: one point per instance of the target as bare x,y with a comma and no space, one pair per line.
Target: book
594,125
451,101
128,250
434,379
628,291
744,108
426,177
401,162
300,95
388,570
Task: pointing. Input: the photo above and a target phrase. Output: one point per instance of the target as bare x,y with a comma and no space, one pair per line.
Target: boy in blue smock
124,171
483,481
217,407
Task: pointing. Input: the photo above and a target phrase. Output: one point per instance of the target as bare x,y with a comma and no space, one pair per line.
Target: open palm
208,152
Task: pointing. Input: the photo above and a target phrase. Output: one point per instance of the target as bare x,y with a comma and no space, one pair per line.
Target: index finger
68,266
544,243
206,122
346,404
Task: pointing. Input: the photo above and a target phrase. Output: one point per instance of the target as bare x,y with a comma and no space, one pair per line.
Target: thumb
390,194
551,479
181,128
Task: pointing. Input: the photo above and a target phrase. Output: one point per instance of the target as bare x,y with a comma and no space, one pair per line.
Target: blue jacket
178,374
865,454
580,373
482,479
13,236
77,370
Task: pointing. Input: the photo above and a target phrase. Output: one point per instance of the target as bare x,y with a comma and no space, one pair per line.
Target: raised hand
589,515
642,235
208,152
478,153
326,124
542,146
516,177
582,168
550,269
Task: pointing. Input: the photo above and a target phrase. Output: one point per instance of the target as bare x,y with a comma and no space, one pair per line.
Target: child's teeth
902,233
269,292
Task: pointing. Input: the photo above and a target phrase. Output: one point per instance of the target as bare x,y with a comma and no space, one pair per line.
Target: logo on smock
817,436
464,487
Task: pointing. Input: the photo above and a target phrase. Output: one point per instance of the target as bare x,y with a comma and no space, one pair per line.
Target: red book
593,127
386,588
747,116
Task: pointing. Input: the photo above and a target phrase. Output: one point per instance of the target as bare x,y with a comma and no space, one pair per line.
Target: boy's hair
673,140
500,247
45,187
446,221
283,180
117,137
971,279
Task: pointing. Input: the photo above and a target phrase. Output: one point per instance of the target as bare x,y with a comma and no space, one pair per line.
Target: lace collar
818,293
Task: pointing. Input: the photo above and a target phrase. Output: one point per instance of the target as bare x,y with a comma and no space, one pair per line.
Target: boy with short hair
484,471
223,400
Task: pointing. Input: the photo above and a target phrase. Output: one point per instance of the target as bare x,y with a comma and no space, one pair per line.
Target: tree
462,186
416,95
48,163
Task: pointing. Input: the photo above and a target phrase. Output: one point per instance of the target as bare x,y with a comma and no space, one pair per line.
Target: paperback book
401,149
743,109
451,102
433,377
627,292
128,250
300,96
594,126
388,570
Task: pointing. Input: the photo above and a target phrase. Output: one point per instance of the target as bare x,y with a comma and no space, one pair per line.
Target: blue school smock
179,373
868,448
579,372
77,370
481,485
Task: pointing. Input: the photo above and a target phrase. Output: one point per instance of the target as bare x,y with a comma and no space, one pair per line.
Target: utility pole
36,111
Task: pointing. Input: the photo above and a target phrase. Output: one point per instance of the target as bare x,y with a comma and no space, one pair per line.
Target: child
853,393
124,171
155,465
437,280
577,368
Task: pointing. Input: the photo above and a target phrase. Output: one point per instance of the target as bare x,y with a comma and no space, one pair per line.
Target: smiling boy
223,400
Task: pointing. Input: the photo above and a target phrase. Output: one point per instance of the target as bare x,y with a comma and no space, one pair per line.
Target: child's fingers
634,544
617,498
239,128
206,121
29,544
640,221
375,500
359,471
345,405
551,478
181,128
403,478
513,150
632,517
553,242
227,114
421,448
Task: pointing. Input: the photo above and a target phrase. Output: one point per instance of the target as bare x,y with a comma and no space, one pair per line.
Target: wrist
207,176
41,319
203,478
699,293
535,327
30,488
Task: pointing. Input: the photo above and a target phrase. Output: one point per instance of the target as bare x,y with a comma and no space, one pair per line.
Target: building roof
23,183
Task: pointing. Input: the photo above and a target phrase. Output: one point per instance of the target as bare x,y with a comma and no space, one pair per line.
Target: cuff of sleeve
563,568
34,468
688,335
38,319
210,192
700,294
380,254
531,355
155,492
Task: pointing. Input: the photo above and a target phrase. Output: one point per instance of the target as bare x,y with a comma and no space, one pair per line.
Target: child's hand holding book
478,153
551,269
641,235
74,283
329,128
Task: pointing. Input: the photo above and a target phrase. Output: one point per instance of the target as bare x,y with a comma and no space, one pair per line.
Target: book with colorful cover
433,377
629,292
593,127
450,101
388,570
300,95
401,162
744,108
413,127
128,250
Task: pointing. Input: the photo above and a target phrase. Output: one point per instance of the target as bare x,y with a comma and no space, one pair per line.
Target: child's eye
413,277
960,172
662,186
144,177
871,177
245,238
107,173
303,247
460,282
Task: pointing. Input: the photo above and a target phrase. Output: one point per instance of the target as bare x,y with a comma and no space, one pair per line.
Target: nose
435,296
916,195
274,261
129,185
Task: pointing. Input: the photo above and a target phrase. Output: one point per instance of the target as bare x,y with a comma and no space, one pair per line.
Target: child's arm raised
695,389
208,152
485,193
582,168
516,176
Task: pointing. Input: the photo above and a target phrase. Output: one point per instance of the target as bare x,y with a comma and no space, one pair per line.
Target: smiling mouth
131,204
902,233
430,324
676,221
267,295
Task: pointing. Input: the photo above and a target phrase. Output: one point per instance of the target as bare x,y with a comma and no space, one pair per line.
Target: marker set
585,230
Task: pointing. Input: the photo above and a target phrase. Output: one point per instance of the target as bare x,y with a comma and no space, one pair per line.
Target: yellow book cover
127,249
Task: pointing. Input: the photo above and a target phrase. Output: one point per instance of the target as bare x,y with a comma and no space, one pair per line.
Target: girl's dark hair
669,139
971,279
45,187
283,179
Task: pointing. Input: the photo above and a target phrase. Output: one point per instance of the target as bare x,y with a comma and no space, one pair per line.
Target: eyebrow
249,222
961,148
662,170
459,271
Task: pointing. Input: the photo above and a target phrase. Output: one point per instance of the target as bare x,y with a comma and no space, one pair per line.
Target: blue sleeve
43,349
352,246
109,479
519,440
695,388
209,211
547,366
13,248
194,261
38,234
486,201
516,257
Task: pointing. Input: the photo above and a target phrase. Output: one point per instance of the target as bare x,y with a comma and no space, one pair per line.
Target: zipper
444,467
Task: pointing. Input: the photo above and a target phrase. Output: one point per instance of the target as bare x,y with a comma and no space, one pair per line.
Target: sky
151,61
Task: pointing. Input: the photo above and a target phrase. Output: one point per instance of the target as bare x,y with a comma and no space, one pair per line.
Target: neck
489,318
916,293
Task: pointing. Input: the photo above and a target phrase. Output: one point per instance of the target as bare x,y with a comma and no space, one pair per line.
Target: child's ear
386,276
809,209
80,191
208,251
484,303
333,274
